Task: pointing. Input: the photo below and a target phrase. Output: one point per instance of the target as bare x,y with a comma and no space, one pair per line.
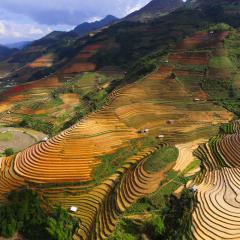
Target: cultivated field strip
217,213
9,180
158,102
71,155
80,62
100,209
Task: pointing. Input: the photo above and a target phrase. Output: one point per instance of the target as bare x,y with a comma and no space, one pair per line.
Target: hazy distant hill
154,9
89,27
18,45
5,52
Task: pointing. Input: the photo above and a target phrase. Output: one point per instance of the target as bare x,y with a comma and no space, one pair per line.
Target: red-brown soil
189,58
81,62
80,67
44,61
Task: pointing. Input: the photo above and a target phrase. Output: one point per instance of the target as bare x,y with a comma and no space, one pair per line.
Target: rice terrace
124,128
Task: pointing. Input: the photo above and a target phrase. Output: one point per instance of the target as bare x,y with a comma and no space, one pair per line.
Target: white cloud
36,31
30,19
130,9
93,19
11,31
2,28
70,12
16,34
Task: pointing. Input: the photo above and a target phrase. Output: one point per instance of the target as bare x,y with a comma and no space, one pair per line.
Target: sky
22,20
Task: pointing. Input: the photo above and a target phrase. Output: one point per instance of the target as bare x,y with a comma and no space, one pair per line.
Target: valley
118,135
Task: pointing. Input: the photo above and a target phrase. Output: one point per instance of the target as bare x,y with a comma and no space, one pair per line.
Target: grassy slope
222,81
146,49
7,136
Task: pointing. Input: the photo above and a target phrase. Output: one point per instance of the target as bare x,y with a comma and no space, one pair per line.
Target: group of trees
23,213
37,124
173,222
177,216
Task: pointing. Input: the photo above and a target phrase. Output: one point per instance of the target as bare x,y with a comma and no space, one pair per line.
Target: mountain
59,43
154,9
18,45
87,27
5,52
157,90
54,40
227,11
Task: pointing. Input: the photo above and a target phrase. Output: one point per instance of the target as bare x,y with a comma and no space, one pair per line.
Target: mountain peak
154,9
110,17
87,27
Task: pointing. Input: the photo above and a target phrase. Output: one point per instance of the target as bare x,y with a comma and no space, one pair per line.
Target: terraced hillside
119,122
101,163
44,61
157,102
217,211
57,99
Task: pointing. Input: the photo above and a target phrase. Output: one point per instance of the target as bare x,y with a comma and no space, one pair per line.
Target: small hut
142,131
196,99
194,188
73,209
45,139
171,122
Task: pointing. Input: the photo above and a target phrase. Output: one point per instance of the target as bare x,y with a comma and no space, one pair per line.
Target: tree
177,216
61,225
231,92
155,227
8,152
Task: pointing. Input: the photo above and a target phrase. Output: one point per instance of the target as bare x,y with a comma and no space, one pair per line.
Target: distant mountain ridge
6,52
18,45
87,27
155,9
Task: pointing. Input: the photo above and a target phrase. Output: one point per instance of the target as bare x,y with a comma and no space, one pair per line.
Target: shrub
37,124
24,214
155,227
220,27
177,216
61,225
8,152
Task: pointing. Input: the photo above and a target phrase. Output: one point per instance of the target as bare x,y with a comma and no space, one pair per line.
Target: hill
50,50
123,119
18,45
219,11
87,27
44,56
5,52
155,9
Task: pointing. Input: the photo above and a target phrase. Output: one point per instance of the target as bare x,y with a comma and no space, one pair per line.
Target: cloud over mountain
69,12
28,19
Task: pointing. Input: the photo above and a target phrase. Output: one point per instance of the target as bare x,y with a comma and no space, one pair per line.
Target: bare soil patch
70,98
80,67
44,61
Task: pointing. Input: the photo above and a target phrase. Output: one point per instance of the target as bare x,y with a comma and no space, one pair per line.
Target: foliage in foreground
177,216
173,222
24,214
